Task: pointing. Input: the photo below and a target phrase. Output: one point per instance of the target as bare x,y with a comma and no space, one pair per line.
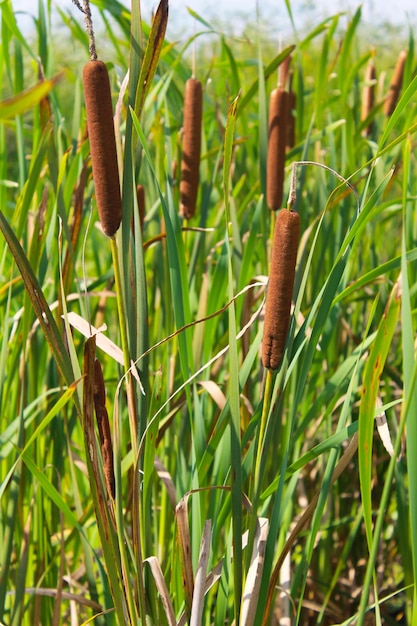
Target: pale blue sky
272,11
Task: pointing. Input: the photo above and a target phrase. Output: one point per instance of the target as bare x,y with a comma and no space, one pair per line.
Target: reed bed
206,414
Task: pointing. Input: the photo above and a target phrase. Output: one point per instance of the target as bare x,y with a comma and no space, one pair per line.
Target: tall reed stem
264,418
125,345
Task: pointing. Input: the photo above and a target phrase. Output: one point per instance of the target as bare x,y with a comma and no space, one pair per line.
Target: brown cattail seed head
100,125
280,287
277,139
368,95
396,84
191,147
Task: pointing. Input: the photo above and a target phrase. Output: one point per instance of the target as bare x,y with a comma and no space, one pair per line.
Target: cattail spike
280,287
102,145
277,139
396,84
190,164
368,96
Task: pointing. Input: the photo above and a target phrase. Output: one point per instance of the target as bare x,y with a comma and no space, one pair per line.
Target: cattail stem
264,418
257,474
125,344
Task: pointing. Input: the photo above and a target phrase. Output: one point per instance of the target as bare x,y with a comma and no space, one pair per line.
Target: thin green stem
132,422
125,344
264,418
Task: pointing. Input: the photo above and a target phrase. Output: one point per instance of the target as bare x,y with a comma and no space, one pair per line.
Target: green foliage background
191,460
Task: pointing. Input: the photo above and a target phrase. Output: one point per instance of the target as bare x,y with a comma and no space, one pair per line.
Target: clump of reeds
280,287
277,140
396,84
191,147
368,96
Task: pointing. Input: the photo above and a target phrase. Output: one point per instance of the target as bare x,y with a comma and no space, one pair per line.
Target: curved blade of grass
370,389
27,99
198,17
39,304
403,103
405,418
58,406
382,270
200,577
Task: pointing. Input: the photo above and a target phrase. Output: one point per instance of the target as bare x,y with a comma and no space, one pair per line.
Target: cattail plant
368,96
191,147
277,139
100,125
396,84
103,424
280,288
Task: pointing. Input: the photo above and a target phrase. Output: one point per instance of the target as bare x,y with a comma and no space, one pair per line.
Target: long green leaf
39,303
369,392
152,54
28,99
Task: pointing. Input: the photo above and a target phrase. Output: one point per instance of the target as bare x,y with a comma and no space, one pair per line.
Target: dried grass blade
162,589
200,578
253,581
39,304
185,543
166,478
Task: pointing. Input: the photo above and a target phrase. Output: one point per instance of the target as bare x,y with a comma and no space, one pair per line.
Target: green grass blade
151,55
369,392
39,303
